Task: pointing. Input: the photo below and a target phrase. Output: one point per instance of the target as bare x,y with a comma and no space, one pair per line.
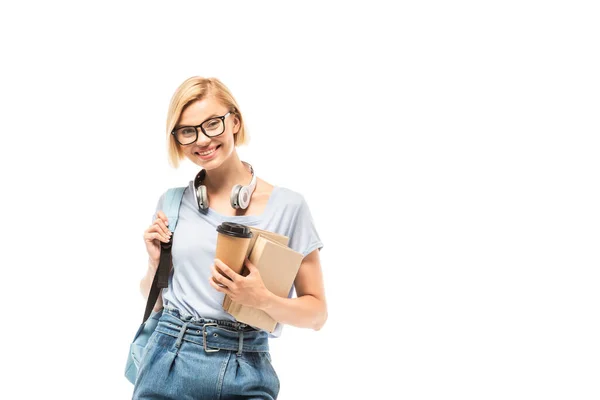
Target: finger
162,237
160,214
219,288
231,274
249,264
219,276
163,227
220,280
155,235
155,229
249,268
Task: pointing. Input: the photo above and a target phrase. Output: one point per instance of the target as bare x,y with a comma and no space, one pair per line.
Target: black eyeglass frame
222,118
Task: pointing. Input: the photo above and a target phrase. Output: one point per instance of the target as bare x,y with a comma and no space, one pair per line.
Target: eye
186,131
212,124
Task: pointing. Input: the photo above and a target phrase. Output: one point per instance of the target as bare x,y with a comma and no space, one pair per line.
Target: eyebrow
209,117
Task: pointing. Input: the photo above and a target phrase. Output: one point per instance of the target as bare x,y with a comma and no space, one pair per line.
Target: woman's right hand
156,233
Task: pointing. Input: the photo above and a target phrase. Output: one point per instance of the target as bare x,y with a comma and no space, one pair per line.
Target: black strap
161,277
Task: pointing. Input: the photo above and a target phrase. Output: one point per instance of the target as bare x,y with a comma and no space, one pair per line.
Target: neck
230,173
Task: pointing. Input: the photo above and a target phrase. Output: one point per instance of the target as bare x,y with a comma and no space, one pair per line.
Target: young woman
205,125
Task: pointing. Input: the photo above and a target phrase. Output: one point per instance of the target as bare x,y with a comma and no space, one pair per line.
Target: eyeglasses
211,127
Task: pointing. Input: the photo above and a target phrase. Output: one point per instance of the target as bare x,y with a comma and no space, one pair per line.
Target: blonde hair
198,88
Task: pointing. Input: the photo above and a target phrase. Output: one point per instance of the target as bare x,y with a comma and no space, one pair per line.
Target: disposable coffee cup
232,245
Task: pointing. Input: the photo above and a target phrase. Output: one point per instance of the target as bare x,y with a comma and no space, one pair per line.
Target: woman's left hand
246,290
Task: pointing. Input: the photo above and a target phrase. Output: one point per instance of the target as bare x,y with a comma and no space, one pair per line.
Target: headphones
240,195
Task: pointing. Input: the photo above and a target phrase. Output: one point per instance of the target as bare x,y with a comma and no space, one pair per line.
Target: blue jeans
188,358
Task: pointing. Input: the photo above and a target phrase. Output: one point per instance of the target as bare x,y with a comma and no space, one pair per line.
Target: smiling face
209,152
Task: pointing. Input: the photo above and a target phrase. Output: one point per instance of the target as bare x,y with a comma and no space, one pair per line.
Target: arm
309,309
146,284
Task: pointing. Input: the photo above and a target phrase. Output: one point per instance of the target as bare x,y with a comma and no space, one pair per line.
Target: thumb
251,267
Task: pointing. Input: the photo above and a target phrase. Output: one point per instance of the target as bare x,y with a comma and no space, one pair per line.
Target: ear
237,124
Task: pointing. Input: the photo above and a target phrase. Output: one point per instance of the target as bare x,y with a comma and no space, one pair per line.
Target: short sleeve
159,206
304,237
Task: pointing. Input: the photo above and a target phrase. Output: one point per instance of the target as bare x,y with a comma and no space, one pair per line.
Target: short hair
193,89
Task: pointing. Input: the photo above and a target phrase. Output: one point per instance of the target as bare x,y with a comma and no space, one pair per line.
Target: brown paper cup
232,245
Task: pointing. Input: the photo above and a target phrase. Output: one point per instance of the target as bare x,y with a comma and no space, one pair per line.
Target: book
256,232
278,266
276,237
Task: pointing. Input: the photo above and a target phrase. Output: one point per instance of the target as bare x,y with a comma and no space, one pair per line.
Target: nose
202,139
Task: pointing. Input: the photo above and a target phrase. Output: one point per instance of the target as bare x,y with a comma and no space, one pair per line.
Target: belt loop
181,333
241,343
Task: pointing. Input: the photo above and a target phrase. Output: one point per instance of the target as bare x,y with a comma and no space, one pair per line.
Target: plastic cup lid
235,230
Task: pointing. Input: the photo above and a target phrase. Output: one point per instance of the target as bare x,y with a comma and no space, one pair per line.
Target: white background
448,152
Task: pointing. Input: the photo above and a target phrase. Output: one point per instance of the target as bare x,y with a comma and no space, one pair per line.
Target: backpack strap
171,206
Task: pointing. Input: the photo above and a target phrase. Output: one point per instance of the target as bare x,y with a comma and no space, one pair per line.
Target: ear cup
235,193
202,197
244,197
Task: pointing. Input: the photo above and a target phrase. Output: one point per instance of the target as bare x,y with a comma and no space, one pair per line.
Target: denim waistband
235,325
212,334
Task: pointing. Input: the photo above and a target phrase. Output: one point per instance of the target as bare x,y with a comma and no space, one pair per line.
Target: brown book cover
256,232
276,237
278,266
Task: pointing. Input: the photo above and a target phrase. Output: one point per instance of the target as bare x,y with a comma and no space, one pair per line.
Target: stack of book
278,266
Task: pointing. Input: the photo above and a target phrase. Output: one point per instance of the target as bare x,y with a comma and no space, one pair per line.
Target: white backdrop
448,152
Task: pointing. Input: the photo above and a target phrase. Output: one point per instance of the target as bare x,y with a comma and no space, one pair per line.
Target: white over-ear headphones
240,195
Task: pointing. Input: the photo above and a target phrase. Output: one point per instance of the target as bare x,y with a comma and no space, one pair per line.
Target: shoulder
283,194
290,197
291,205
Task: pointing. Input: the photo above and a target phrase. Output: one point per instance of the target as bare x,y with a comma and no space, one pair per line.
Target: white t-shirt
195,242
